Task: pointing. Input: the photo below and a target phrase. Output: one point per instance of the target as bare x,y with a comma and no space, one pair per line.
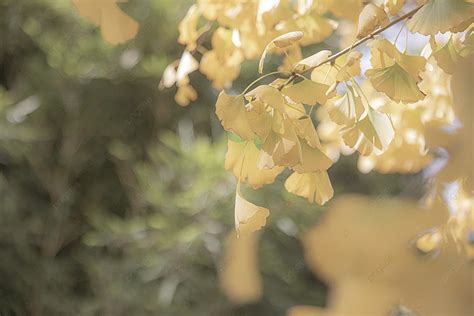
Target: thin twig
332,58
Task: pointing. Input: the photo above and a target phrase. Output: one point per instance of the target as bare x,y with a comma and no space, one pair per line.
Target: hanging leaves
372,134
394,73
346,110
393,119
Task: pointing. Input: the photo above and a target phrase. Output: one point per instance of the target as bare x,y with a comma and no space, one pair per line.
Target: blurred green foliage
113,200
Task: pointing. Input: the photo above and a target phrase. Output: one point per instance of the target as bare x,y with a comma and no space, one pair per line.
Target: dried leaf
371,18
312,61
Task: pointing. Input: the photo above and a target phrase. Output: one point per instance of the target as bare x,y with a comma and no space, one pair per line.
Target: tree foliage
388,112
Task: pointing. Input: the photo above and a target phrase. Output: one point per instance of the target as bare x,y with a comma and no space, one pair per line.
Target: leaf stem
263,77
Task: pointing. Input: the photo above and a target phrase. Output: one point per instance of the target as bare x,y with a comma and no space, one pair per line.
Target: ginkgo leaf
312,159
285,148
394,6
168,79
307,92
305,129
396,83
346,110
188,33
232,113
385,54
221,64
187,65
116,26
248,217
394,73
281,41
315,186
371,18
440,16
372,134
268,95
447,56
259,118
185,95
312,61
316,27
348,9
349,66
240,278
241,159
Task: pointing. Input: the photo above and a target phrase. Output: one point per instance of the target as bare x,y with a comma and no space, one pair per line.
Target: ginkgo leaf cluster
326,104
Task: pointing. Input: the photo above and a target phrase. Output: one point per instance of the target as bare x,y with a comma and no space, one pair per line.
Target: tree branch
332,58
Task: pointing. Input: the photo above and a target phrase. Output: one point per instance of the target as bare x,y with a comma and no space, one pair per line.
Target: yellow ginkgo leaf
396,83
371,18
312,61
307,92
285,148
232,113
441,16
281,41
269,95
346,110
305,129
315,186
349,65
248,217
185,95
240,278
188,33
385,54
348,9
448,55
316,28
259,118
372,134
313,159
221,64
241,159
116,26
394,6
